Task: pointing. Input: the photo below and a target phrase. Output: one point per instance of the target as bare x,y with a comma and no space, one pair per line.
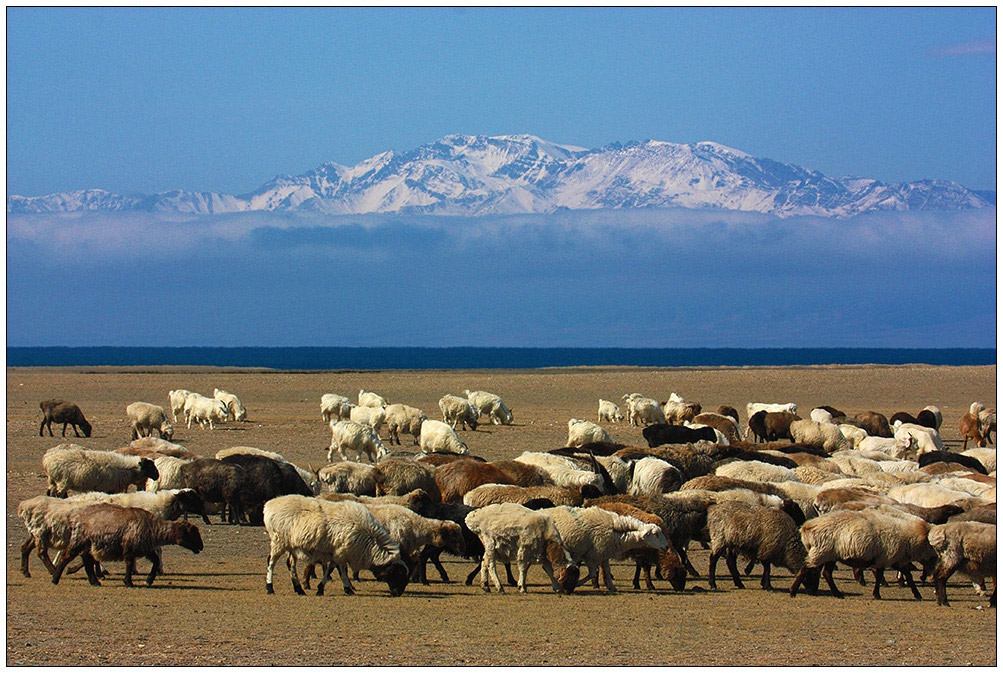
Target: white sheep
168,504
458,410
145,418
234,409
371,416
897,447
969,486
352,436
490,405
654,477
825,436
877,537
436,436
349,477
402,418
335,406
754,470
334,534
413,532
204,409
594,536
852,433
514,534
967,546
820,415
371,399
177,399
82,470
167,470
619,471
47,521
927,439
643,410
584,432
927,494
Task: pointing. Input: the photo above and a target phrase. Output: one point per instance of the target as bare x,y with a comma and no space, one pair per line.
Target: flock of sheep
806,494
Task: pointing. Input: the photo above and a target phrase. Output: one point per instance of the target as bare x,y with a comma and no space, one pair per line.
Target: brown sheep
67,413
723,424
667,562
874,423
436,459
970,429
778,425
731,412
456,479
489,494
398,476
523,474
105,533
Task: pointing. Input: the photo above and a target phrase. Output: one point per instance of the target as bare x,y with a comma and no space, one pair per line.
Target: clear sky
142,100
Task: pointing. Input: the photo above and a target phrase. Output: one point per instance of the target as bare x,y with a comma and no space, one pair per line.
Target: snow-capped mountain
482,175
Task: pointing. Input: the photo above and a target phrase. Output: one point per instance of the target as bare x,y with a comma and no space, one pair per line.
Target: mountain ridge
489,175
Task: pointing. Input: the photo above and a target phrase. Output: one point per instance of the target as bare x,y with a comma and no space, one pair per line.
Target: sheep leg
712,569
749,568
294,571
765,582
684,557
325,576
346,583
637,574
940,576
827,574
798,580
879,579
130,568
154,558
608,577
731,558
26,548
910,583
858,574
68,555
273,554
549,569
473,574
489,567
438,566
523,565
91,567
508,575
308,574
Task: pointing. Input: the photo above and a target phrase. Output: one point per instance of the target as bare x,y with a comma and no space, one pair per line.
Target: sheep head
189,536
395,574
449,536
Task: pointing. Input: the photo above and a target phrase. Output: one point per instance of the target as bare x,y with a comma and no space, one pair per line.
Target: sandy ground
212,608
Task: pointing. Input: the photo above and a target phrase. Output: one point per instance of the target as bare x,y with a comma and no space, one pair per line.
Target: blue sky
142,100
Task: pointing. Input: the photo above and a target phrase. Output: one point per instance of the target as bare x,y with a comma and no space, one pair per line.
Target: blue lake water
323,358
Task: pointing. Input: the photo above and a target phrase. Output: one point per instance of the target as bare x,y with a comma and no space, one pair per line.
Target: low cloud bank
597,278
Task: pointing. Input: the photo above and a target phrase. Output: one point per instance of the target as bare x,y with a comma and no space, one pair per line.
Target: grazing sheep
489,494
609,412
778,425
333,534
413,532
663,433
308,477
970,427
563,471
103,533
875,424
168,470
643,410
723,424
594,535
762,534
967,546
144,418
402,418
349,477
678,411
458,478
730,412
234,409
653,476
582,432
81,470
871,538
458,410
353,436
67,413
216,482
825,436
752,408
371,416
335,406
490,405
177,399
436,436
513,533
666,561
205,410
399,476
371,399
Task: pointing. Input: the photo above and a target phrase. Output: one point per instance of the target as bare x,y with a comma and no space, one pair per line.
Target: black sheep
947,457
663,433
67,413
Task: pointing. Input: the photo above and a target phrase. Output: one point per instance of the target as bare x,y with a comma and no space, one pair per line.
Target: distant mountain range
482,175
